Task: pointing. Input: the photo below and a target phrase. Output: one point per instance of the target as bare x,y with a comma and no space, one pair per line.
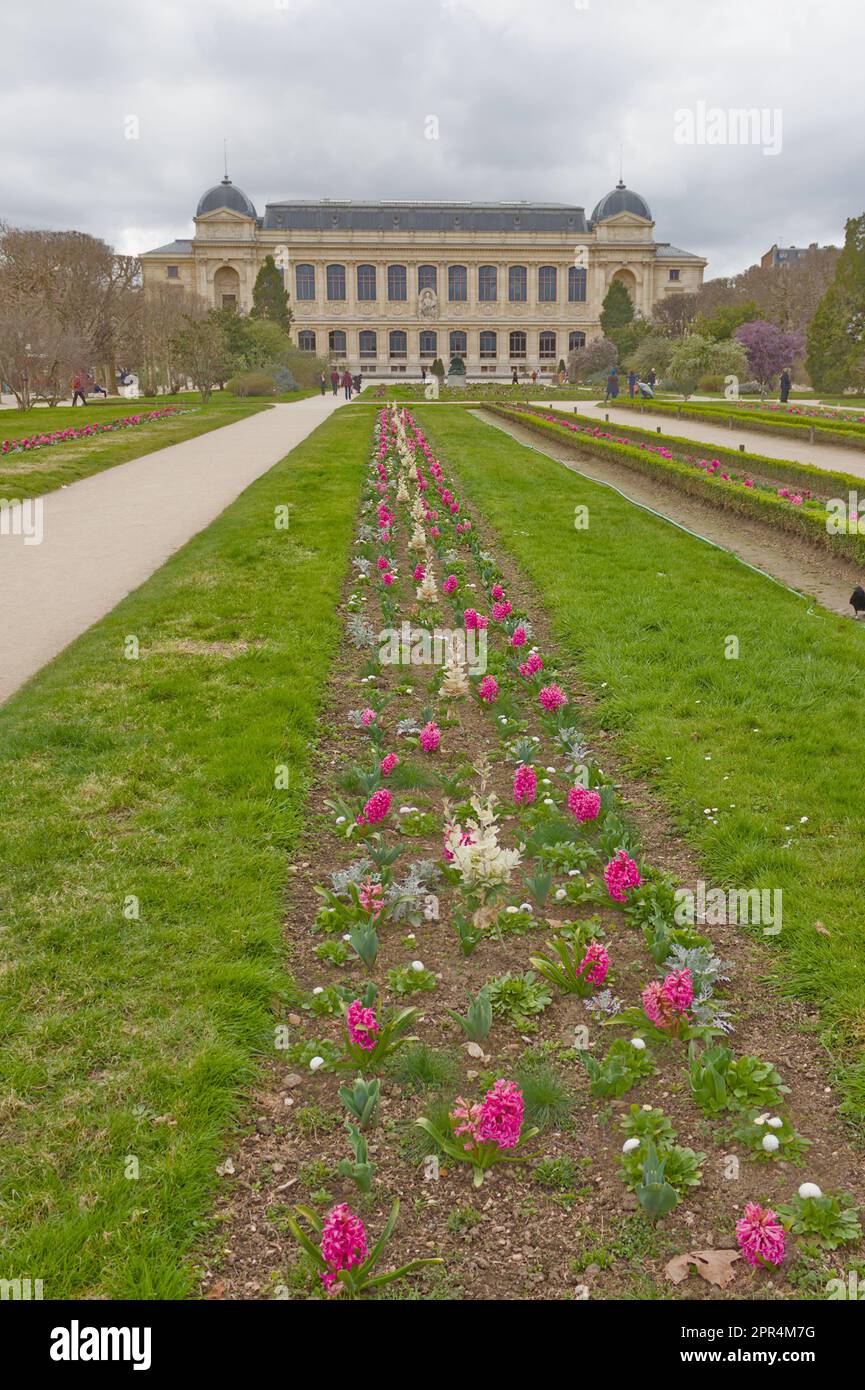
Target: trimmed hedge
772,511
846,432
819,480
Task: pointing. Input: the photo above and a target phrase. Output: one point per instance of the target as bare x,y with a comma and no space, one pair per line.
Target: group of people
350,384
81,385
636,384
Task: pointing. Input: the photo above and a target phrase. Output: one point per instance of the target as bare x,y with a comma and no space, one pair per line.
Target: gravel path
103,536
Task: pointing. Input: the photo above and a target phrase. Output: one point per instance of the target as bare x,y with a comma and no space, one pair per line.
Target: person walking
632,383
334,380
423,373
346,383
322,383
612,386
78,390
515,381
652,377
785,385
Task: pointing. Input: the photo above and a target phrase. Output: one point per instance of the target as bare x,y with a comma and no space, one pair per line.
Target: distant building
387,287
786,255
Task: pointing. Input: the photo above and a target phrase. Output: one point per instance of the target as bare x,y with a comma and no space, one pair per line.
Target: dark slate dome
225,195
621,199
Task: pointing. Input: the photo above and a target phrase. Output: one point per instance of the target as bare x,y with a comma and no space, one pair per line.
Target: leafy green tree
270,297
694,357
655,350
836,336
617,308
723,323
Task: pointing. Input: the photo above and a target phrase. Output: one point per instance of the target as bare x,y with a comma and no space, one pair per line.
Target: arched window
547,284
368,343
304,280
547,346
336,342
576,285
576,339
459,344
336,282
366,288
487,283
458,283
427,278
429,344
397,285
488,345
518,345
398,343
306,340
518,284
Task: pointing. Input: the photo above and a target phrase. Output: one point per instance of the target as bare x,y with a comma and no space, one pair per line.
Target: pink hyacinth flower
363,1027
501,1117
525,785
621,874
761,1236
377,807
552,697
488,689
584,803
343,1243
430,737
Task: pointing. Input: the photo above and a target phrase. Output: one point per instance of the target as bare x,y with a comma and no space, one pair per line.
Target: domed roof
621,199
225,195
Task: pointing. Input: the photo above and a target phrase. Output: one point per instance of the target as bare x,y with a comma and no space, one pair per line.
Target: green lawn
130,1039
52,466
643,611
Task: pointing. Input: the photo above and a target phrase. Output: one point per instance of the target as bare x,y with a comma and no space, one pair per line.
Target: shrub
711,382
252,384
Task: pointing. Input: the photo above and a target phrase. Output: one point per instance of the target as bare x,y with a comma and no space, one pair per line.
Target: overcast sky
532,98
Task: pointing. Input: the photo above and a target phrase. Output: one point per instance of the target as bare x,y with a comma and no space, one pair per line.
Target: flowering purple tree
769,348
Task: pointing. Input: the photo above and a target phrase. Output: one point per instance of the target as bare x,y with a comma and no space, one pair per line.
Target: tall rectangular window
487,283
518,284
336,282
427,278
547,284
366,287
304,280
576,285
458,283
397,283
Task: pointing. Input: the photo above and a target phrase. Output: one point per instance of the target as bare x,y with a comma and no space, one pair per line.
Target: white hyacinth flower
770,1143
629,1146
417,965
315,1063
638,1043
809,1189
319,989
775,1123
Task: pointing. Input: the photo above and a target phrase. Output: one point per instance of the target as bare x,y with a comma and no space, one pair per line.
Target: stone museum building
386,287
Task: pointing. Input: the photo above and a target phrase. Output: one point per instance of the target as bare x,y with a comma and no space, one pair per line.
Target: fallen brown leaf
715,1266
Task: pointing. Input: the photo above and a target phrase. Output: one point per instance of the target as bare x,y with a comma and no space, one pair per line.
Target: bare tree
201,348
161,314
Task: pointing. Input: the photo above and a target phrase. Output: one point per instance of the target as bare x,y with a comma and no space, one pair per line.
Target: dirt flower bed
509,1052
